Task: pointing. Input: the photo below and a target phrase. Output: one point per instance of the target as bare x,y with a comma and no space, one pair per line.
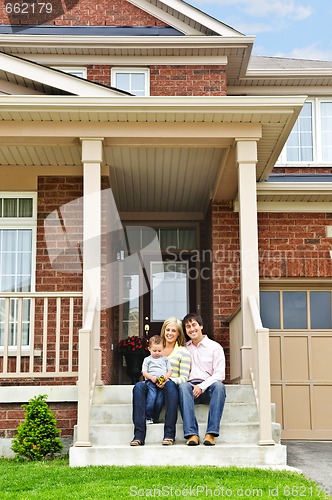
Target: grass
55,480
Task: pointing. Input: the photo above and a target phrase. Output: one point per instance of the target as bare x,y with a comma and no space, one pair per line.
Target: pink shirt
208,362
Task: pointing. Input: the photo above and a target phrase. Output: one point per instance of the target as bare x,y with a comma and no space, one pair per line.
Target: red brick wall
225,271
12,414
294,245
81,13
187,80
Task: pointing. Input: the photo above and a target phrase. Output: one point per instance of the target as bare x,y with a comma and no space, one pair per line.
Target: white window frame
316,139
79,71
14,223
117,70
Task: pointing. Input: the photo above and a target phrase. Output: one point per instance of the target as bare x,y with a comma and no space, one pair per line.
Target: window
17,244
296,309
299,146
135,81
310,140
75,71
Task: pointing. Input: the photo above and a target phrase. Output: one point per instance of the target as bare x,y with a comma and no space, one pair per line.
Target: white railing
38,334
88,368
260,373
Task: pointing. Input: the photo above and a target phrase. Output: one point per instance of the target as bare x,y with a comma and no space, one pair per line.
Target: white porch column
246,156
92,156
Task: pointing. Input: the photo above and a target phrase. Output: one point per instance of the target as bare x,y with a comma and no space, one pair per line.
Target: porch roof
164,153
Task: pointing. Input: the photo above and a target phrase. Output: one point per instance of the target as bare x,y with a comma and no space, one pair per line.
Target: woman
180,359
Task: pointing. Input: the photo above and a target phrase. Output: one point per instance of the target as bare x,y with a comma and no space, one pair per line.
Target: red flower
132,344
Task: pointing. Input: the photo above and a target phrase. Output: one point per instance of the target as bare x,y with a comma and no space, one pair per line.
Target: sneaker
149,421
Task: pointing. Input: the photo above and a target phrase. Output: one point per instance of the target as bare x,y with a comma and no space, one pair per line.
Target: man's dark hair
191,317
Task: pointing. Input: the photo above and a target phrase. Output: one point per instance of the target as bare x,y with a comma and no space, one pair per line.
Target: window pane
295,310
25,207
270,309
123,81
299,146
10,207
168,238
320,310
169,295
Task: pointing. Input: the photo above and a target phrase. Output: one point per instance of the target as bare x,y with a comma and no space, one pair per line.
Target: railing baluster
57,334
32,334
45,328
19,334
71,334
6,339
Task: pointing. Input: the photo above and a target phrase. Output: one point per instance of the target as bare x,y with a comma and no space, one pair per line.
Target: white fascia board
51,77
164,104
271,188
187,11
283,73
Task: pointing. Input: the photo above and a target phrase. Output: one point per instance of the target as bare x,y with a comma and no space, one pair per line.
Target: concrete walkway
314,458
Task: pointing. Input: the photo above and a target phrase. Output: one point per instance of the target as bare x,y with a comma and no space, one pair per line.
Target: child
154,367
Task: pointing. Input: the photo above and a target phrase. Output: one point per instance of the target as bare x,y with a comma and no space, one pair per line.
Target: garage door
301,362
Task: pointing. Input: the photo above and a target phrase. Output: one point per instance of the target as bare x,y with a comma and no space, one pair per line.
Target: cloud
264,8
309,52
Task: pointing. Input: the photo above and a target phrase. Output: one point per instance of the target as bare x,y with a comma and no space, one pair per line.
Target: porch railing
38,334
88,368
258,354
260,373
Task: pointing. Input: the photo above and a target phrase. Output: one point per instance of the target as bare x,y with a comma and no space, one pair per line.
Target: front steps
112,430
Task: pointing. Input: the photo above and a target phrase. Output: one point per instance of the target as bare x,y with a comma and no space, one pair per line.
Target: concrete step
121,434
224,455
122,413
122,394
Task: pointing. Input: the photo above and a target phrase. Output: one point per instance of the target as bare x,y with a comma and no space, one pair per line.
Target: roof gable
185,17
17,73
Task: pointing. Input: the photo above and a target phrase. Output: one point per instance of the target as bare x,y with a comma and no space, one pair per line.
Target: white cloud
312,52
263,8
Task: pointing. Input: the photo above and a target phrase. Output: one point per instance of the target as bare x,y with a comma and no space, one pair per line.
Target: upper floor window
133,80
310,139
75,71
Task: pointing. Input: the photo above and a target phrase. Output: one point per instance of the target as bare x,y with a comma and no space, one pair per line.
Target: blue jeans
154,401
171,400
215,396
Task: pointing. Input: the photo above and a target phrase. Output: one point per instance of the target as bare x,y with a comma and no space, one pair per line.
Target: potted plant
134,349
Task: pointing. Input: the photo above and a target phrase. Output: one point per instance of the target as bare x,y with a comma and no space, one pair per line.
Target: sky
299,29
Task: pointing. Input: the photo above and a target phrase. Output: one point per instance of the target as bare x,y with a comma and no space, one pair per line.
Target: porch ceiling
164,154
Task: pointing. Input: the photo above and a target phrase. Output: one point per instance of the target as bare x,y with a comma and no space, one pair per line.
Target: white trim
52,78
131,70
132,61
289,207
184,9
22,394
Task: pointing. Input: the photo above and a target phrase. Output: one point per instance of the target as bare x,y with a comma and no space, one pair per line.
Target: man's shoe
193,441
209,440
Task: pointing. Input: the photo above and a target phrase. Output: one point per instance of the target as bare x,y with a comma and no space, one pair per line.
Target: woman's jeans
214,395
154,400
171,400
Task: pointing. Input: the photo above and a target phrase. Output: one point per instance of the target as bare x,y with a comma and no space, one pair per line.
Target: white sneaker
150,421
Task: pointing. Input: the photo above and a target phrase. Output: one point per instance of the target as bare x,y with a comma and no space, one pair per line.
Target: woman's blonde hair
181,340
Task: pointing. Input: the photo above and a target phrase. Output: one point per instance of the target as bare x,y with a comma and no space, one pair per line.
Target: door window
169,295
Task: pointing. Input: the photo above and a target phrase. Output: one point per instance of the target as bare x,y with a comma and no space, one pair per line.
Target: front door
172,292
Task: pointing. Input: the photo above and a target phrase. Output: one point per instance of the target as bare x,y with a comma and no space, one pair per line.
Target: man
205,384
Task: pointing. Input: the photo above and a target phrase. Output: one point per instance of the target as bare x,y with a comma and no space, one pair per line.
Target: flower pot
134,362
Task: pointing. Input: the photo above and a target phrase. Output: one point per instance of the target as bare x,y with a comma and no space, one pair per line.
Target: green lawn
56,480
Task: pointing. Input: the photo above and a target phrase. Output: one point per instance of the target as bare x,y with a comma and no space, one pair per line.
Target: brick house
141,138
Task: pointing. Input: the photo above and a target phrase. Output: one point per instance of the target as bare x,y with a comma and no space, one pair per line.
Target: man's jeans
171,400
154,400
215,395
